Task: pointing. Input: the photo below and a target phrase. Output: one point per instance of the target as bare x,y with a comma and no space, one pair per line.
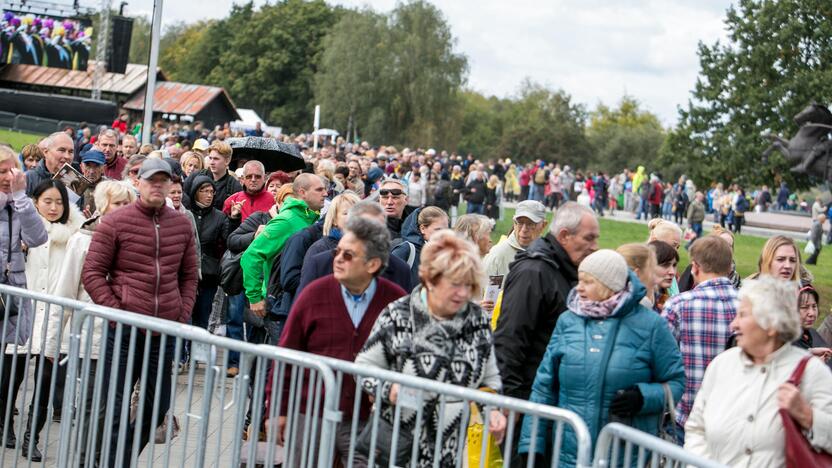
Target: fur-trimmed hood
59,233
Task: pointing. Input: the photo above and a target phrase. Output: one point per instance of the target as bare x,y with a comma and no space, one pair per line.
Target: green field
746,252
18,140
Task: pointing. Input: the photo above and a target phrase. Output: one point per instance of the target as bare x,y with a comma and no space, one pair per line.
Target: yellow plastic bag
495,314
476,429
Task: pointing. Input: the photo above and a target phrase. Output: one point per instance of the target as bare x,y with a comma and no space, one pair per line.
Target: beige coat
735,417
501,255
69,286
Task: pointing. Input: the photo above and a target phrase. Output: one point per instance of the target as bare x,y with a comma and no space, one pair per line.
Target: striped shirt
700,321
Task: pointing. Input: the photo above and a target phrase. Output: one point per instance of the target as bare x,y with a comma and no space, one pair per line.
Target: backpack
540,177
411,256
231,274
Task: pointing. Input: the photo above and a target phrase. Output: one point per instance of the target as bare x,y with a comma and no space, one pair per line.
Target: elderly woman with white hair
735,418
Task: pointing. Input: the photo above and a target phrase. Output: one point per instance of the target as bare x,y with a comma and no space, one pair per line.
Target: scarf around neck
600,309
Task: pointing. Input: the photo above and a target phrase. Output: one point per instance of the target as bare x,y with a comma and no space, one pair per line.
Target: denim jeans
234,325
477,208
122,383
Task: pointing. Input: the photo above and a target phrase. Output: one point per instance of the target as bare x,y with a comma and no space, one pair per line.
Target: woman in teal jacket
608,356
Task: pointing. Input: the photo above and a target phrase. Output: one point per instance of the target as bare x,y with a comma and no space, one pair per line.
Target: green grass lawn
18,140
746,251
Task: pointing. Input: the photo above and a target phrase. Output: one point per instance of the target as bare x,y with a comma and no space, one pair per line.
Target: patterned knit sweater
408,339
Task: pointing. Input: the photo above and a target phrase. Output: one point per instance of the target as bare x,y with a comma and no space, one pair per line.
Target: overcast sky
596,50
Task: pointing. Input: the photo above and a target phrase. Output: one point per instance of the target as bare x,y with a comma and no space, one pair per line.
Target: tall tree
483,121
545,124
352,85
626,136
268,63
776,60
427,77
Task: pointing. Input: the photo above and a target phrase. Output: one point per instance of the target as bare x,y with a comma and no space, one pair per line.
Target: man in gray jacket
529,220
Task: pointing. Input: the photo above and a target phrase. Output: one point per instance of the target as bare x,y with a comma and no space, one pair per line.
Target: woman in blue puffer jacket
608,358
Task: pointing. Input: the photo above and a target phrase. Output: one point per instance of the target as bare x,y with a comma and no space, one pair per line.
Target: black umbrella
275,155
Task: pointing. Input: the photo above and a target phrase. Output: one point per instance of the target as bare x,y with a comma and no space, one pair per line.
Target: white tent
248,121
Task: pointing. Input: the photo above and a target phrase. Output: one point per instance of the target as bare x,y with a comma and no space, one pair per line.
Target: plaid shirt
700,321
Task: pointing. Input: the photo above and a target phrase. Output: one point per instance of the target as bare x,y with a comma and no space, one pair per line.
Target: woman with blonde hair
191,162
493,197
780,258
642,260
440,323
477,229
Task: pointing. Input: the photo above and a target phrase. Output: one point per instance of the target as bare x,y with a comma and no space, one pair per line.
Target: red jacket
261,201
143,260
320,324
114,169
656,194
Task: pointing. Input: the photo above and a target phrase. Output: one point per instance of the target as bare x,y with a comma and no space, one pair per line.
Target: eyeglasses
525,224
253,176
134,171
206,190
348,255
395,193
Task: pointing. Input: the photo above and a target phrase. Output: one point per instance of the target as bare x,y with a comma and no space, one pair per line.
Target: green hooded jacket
257,260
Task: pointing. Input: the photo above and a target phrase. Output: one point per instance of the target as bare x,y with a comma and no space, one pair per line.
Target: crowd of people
367,256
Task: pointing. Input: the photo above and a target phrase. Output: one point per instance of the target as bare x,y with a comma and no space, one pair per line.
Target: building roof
128,83
171,97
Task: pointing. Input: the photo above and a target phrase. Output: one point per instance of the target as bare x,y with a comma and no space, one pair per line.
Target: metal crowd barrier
620,445
415,394
197,418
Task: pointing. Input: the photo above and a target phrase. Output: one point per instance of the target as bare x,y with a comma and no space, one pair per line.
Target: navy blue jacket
320,265
291,262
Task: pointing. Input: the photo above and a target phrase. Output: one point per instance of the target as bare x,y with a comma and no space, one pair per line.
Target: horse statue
811,147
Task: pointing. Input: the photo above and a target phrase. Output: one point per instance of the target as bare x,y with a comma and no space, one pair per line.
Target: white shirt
735,418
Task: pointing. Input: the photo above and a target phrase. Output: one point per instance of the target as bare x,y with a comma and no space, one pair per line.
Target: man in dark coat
535,293
58,150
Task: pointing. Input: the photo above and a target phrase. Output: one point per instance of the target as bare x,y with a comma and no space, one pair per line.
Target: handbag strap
11,243
797,374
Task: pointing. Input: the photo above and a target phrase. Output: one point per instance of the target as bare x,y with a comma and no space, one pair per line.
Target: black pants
9,387
156,356
813,259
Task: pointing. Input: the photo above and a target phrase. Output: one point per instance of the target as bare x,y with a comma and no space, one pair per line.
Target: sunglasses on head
347,254
391,192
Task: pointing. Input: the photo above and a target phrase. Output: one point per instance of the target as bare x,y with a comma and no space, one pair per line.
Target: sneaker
232,372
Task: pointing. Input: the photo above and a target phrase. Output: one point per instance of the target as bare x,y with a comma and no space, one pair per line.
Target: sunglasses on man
396,193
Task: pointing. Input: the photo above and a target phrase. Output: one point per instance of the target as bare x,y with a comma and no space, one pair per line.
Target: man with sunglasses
529,220
333,317
392,195
253,198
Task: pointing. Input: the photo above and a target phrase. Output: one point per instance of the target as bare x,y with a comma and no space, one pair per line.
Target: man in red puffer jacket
142,259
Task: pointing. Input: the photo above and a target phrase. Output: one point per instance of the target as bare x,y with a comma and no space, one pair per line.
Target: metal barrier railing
137,356
620,445
424,394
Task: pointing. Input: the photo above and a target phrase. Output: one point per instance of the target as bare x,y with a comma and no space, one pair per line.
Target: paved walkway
218,442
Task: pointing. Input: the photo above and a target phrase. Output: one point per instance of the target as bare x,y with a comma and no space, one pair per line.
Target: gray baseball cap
153,166
534,210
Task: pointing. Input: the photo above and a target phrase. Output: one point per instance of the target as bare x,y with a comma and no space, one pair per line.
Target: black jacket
223,188
212,228
243,236
443,194
475,192
394,225
36,176
457,187
320,265
534,296
325,243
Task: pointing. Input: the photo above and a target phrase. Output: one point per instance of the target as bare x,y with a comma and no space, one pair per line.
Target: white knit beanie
608,267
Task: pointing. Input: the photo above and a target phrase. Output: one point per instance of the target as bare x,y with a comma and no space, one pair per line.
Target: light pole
150,87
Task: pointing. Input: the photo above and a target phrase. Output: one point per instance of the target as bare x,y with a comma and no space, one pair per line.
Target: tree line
397,78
